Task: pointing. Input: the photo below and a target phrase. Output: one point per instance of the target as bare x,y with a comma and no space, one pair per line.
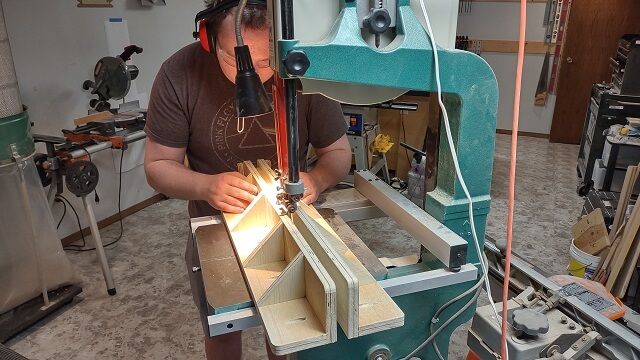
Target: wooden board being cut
363,307
292,292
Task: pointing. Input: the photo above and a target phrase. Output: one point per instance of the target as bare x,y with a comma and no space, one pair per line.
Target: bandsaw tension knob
378,21
530,322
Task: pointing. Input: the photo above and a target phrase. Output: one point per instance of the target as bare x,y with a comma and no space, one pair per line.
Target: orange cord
512,175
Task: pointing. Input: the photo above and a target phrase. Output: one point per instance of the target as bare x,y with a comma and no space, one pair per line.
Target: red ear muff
205,37
203,31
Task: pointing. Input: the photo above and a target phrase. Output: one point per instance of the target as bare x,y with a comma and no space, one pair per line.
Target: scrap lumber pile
618,261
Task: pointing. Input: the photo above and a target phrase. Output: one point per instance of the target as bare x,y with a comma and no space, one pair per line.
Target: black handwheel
45,176
82,177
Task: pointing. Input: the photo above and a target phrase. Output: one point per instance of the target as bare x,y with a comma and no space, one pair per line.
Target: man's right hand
229,192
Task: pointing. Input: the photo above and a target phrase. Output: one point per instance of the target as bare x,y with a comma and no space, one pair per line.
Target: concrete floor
153,316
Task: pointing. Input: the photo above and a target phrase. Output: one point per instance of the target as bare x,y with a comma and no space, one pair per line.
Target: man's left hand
311,190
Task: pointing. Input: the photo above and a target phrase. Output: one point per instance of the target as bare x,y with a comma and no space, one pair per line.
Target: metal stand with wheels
81,180
65,164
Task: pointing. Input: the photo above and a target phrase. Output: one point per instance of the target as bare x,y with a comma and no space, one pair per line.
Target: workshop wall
501,21
55,46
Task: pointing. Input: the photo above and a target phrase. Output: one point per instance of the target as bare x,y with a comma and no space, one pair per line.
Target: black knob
133,71
378,21
86,85
296,62
530,322
102,106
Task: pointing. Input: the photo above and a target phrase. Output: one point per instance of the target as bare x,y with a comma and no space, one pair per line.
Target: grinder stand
67,159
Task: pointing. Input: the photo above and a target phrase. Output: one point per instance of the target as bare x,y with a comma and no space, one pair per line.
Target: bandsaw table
412,287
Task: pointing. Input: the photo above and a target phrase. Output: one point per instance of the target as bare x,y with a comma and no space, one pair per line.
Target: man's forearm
331,168
175,180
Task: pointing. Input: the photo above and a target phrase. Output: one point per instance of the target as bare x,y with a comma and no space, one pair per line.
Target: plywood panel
369,308
349,275
261,277
293,294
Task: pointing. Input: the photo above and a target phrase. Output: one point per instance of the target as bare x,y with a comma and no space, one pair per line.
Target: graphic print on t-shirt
256,141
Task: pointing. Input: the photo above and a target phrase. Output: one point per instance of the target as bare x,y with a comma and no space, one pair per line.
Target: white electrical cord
446,323
436,318
454,155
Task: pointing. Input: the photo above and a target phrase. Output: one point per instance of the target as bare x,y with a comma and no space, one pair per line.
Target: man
191,112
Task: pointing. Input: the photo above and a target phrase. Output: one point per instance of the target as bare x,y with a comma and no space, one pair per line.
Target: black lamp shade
251,97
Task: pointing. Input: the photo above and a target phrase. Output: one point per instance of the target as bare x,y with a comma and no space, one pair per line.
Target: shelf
515,1
511,46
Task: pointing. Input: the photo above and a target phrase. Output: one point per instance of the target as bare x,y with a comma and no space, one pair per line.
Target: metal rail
443,243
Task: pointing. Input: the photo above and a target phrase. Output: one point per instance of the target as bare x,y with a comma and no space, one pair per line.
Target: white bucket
582,264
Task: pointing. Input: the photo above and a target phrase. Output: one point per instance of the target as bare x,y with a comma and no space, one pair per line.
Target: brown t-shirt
191,105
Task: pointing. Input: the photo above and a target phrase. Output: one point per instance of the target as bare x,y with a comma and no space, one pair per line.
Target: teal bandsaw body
15,129
470,92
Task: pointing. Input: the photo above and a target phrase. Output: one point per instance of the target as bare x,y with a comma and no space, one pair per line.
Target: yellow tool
381,144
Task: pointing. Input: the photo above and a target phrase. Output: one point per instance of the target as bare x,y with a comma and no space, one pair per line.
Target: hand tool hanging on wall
464,6
559,27
543,81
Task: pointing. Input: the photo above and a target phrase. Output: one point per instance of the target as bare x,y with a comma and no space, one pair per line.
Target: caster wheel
583,189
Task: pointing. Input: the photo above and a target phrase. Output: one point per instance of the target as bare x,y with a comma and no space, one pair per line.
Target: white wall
55,46
501,21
